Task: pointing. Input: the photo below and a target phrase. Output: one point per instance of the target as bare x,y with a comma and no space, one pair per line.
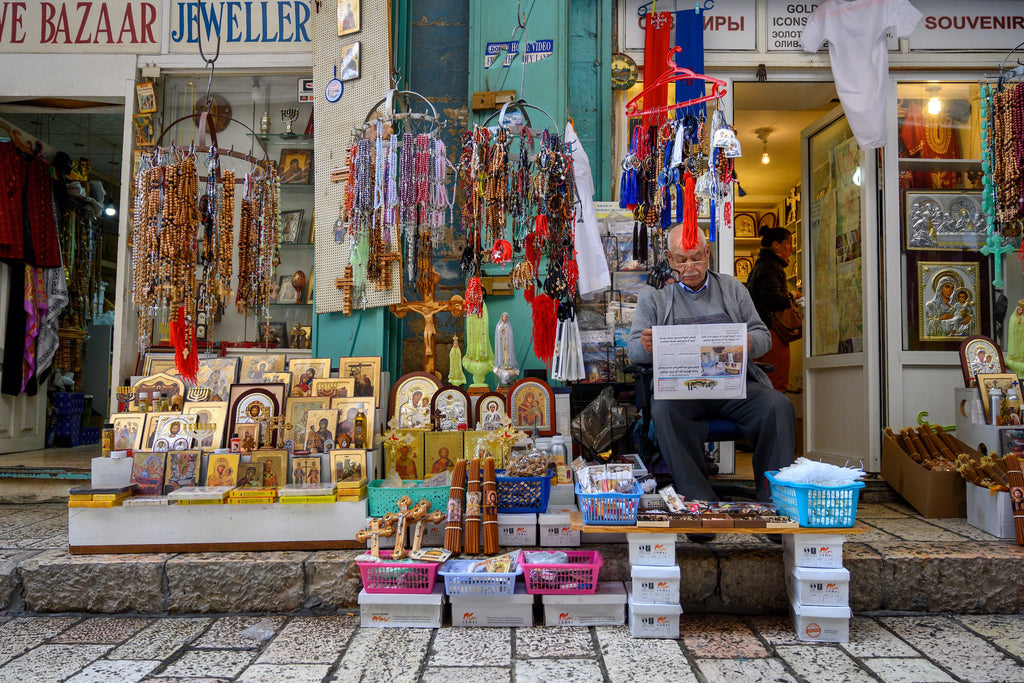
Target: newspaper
700,361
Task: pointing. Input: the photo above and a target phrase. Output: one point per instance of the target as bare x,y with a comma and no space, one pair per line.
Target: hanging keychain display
335,88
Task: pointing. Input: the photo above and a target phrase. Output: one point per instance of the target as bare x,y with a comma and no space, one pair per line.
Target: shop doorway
91,134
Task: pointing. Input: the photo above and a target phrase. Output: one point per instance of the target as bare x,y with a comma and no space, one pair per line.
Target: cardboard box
402,610
504,611
652,549
655,585
111,472
653,621
554,530
991,514
824,587
433,534
606,607
517,530
824,551
933,494
562,494
821,624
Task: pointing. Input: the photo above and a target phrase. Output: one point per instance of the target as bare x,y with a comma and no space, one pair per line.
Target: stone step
743,577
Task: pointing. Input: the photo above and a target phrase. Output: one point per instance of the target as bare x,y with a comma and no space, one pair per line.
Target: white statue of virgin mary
506,369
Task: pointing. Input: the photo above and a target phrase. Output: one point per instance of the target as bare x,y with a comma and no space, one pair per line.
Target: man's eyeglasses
682,264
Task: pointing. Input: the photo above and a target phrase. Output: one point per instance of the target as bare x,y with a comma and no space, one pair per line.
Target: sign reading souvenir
55,26
265,26
976,25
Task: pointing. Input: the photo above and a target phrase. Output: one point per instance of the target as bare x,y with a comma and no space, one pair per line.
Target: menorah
200,430
125,395
288,116
197,394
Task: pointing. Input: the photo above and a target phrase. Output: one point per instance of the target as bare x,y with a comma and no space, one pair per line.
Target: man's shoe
700,538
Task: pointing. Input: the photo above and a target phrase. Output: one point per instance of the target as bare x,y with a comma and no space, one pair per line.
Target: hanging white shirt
856,34
594,277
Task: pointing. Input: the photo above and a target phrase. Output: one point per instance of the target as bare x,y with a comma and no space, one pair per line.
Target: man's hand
647,340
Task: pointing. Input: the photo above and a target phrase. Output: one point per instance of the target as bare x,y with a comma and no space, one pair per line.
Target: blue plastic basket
459,579
816,506
522,495
618,509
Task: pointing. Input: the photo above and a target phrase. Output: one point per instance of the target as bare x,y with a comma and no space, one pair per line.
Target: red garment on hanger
28,224
657,41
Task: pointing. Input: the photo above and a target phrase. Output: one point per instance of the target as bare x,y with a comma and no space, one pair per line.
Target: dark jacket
767,285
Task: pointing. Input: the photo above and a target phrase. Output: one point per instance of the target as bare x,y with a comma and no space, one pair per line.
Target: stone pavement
101,649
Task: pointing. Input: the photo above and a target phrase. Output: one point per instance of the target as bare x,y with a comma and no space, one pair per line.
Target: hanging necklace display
335,88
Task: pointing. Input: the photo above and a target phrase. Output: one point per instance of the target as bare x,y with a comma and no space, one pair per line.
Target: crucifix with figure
429,308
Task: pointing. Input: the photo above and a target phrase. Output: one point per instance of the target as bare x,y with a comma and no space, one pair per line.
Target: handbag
788,323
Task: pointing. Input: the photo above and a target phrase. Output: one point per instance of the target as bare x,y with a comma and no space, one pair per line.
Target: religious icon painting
159,362
284,378
218,374
253,365
348,465
410,400
295,415
174,433
350,60
221,469
475,444
211,422
407,457
306,470
335,387
440,451
742,265
291,224
451,409
153,421
321,430
144,130
348,410
148,472
366,372
296,166
157,385
129,429
531,405
305,370
490,411
248,437
275,466
949,299
182,470
1009,413
349,17
250,404
979,354
250,475
943,219
769,219
746,225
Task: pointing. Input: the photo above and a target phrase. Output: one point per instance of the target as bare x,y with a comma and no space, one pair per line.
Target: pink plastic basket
397,577
577,577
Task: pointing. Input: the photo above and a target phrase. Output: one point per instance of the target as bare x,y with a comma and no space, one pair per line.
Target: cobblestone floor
905,649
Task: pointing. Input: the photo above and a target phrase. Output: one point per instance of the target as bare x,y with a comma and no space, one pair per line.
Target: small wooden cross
277,424
345,284
400,520
429,308
386,259
994,246
378,528
435,517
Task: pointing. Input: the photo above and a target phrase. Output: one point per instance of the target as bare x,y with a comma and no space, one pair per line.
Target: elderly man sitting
765,417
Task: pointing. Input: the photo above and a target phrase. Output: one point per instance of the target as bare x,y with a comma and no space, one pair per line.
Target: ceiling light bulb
765,159
110,209
934,106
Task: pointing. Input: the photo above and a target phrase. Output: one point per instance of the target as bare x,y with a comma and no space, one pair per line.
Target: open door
841,322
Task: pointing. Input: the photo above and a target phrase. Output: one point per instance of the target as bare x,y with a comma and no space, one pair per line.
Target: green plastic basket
382,501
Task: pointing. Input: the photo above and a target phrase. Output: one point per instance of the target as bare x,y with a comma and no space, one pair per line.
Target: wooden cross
400,520
435,517
384,281
994,245
428,308
345,284
378,528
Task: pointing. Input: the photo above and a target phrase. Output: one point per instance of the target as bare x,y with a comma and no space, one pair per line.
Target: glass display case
263,118
944,277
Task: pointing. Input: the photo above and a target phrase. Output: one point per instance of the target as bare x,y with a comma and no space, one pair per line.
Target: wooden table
576,523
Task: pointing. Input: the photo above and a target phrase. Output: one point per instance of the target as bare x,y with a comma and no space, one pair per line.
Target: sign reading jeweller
77,26
248,26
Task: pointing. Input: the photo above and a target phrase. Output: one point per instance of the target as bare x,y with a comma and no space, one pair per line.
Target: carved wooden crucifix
428,308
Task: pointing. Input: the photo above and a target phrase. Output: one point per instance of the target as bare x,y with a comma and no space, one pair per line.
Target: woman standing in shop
767,284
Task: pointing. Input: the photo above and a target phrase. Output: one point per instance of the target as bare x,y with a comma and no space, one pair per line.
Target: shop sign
728,24
78,26
248,26
786,20
536,51
977,25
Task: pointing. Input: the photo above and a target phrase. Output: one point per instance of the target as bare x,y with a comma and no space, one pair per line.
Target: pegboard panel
334,123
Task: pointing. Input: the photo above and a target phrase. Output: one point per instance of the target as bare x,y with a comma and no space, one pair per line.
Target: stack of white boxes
654,590
818,587
555,531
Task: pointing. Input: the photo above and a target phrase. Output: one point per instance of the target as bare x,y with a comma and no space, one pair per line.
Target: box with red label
652,549
655,585
824,587
653,621
402,610
824,551
606,607
503,611
821,624
555,531
517,530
